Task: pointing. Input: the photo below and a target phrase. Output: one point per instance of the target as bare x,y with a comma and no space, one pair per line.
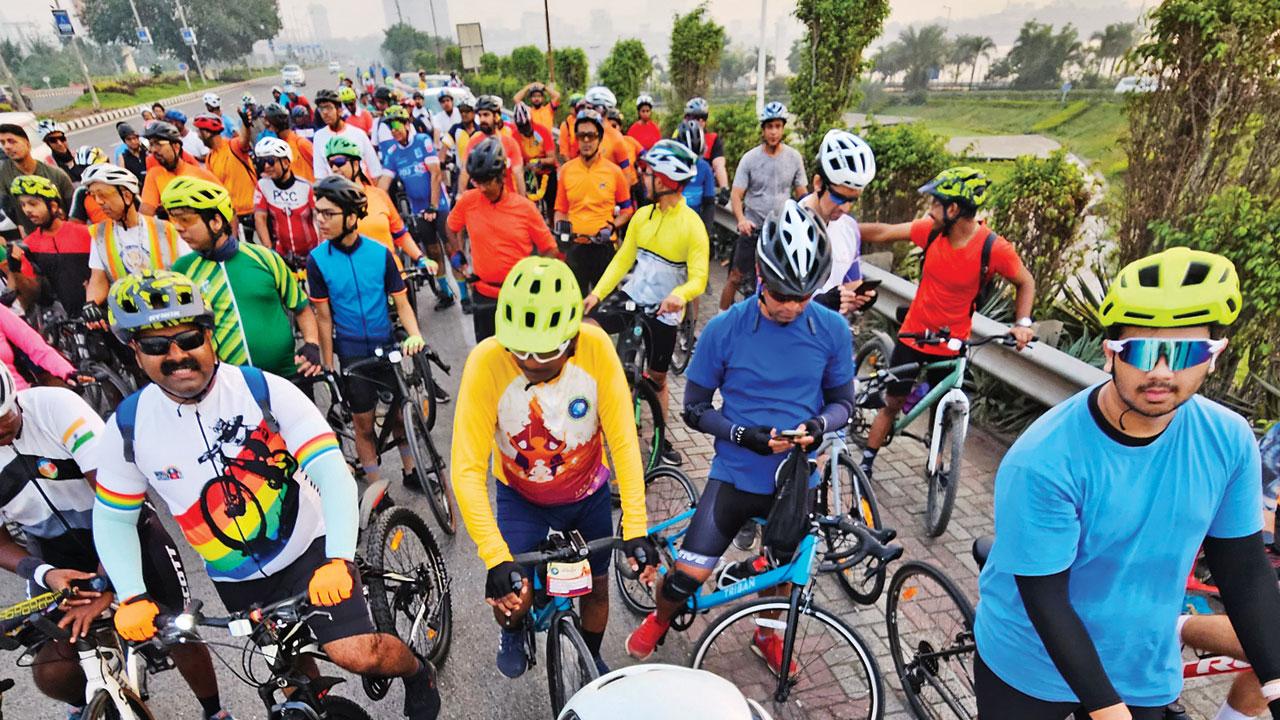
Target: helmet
539,306
643,100
125,130
793,251
383,93
489,102
300,115
109,174
346,95
395,112
486,160
35,186
846,160
466,101
339,145
691,135
249,99
154,299
198,194
522,118
590,116
273,147
343,193
327,96
697,107
46,127
175,116
1179,287
600,96
673,160
90,155
162,131
657,690
212,100
965,185
209,123
773,111
275,114
8,391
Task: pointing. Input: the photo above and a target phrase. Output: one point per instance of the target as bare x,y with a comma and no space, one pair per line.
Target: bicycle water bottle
917,394
741,570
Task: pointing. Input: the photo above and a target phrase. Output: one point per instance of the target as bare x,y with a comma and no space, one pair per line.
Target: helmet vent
1149,276
1196,274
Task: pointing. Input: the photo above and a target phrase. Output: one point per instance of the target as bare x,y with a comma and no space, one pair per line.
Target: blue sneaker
512,660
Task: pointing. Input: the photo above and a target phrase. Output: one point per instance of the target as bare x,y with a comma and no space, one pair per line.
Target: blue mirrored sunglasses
1145,353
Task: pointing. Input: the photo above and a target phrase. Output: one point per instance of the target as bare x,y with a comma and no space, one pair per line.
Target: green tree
528,64
401,44
571,69
225,29
1039,55
837,33
625,70
1113,42
697,43
925,50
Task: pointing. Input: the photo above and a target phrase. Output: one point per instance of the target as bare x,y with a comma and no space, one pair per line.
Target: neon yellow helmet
539,306
1179,287
346,95
339,145
197,194
965,185
36,186
154,299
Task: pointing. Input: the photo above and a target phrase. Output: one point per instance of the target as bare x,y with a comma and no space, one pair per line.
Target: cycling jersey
249,295
320,161
63,261
355,281
1125,516
159,177
589,193
119,251
666,253
502,234
647,132
409,163
702,188
290,213
547,439
234,170
230,481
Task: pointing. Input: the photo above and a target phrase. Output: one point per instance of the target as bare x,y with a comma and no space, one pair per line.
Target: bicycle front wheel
931,641
945,478
667,494
836,674
858,501
569,663
429,463
409,593
103,707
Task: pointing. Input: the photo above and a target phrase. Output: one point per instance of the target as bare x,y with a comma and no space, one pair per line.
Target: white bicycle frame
955,401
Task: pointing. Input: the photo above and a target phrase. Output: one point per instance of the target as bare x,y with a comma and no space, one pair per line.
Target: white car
293,74
1133,83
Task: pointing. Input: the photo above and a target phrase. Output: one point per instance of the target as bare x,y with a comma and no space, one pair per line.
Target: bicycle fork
954,405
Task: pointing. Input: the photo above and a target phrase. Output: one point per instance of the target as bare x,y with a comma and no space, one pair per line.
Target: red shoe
644,640
769,648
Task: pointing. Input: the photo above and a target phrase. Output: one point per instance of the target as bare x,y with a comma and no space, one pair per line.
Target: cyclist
415,162
489,125
229,162
349,278
279,122
58,249
283,204
19,161
330,111
665,252
544,395
248,288
541,107
1075,502
269,506
767,175
845,165
230,123
166,145
644,128
130,153
588,192
698,111
811,391
700,193
537,150
356,115
380,221
504,228
950,283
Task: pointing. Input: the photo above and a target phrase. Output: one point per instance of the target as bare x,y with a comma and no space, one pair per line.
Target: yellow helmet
539,306
197,194
34,185
1179,287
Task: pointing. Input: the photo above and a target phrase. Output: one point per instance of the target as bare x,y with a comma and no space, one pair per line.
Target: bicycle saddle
982,549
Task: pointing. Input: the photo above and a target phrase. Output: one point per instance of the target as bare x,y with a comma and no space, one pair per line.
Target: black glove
604,235
755,439
92,312
503,579
642,550
815,426
310,352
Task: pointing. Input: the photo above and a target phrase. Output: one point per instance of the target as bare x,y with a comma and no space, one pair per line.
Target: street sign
189,36
183,67
62,20
144,36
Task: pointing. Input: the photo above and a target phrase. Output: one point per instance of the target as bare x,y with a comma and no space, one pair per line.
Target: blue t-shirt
702,187
1127,521
768,374
355,282
409,164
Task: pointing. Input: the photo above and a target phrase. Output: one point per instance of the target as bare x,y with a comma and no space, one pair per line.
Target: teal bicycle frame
953,380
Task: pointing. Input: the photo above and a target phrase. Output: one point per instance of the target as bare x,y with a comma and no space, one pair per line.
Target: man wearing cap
18,160
167,149
190,141
230,123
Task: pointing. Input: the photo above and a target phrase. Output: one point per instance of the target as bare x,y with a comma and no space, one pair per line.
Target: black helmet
383,93
591,116
125,130
488,102
692,136
793,252
487,160
162,131
275,114
327,95
343,193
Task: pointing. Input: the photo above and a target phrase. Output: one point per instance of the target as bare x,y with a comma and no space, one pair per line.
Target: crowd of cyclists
234,254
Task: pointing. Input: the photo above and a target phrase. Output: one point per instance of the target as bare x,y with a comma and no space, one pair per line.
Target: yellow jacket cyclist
542,397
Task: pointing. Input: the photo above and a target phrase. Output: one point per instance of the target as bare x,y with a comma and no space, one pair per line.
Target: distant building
419,14
319,21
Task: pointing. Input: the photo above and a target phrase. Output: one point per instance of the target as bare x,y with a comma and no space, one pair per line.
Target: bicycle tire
668,492
389,604
685,342
840,698
567,675
432,472
647,411
945,479
106,391
873,354
921,593
334,707
101,707
860,589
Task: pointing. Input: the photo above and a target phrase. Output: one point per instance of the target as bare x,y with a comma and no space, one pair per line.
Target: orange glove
136,618
330,584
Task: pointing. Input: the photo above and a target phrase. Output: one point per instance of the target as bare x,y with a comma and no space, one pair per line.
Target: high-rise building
319,21
420,14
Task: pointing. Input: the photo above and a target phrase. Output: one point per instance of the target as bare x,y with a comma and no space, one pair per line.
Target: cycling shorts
903,354
363,386
722,511
744,254
346,619
525,525
659,336
996,698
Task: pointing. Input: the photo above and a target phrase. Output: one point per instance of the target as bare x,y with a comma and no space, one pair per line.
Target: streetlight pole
182,18
551,58
760,58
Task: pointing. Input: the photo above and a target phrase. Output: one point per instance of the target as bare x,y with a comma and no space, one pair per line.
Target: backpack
788,520
127,412
985,283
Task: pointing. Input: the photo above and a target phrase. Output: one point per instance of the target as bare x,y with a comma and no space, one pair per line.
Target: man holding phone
846,165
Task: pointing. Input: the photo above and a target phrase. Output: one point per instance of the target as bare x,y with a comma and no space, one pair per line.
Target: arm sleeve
701,415
1252,600
697,262
619,426
475,421
622,261
121,488
26,339
1066,639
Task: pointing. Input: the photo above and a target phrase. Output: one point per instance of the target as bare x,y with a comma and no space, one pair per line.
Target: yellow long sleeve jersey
670,251
547,440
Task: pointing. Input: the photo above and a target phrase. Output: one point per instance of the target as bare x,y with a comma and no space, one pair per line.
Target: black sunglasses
159,344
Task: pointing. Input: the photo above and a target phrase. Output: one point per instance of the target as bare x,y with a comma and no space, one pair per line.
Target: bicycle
632,346
949,417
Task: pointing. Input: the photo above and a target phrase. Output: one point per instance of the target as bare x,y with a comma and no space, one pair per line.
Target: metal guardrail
1040,372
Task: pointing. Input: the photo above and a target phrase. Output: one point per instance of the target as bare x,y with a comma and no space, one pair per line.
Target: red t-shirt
950,283
502,234
648,133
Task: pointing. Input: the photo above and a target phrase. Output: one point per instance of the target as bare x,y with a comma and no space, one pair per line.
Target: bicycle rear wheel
102,707
930,624
858,501
430,464
569,662
667,494
409,592
945,478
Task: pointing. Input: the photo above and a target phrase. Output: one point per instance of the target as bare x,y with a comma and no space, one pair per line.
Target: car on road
334,67
293,74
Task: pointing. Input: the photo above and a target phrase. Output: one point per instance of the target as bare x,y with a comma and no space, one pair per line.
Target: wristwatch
1024,322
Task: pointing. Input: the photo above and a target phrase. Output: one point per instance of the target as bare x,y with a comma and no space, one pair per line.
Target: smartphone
867,286
793,434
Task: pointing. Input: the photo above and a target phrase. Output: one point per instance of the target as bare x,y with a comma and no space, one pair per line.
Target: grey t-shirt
768,180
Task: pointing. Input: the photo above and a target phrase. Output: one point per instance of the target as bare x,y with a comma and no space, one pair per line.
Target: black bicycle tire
875,680
628,587
895,591
868,514
104,378
943,482
651,452
416,434
565,625
383,614
100,707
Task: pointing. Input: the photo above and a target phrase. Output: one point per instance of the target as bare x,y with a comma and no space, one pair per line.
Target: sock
371,472
593,640
406,457
869,457
210,705
1226,712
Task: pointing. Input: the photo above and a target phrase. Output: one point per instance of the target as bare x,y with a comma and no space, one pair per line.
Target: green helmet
539,306
339,145
965,185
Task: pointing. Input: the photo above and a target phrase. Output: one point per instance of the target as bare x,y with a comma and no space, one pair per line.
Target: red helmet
209,122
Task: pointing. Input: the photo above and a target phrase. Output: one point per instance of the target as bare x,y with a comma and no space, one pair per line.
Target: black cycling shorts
903,354
722,511
346,619
363,386
661,337
744,254
997,699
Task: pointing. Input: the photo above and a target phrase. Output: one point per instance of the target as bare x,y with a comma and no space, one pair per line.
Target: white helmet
643,100
8,390
273,147
672,159
212,100
846,160
600,96
109,174
653,690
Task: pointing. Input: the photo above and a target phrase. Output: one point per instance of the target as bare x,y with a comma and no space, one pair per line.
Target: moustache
169,367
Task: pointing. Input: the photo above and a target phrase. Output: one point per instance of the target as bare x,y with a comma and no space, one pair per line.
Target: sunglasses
780,298
1145,353
543,357
159,344
339,161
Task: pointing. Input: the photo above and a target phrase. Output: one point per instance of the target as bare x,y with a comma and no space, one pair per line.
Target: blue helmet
773,111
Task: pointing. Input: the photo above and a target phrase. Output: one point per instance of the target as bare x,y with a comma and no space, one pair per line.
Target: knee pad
679,586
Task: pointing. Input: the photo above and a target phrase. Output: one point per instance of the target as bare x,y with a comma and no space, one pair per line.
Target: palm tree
973,48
